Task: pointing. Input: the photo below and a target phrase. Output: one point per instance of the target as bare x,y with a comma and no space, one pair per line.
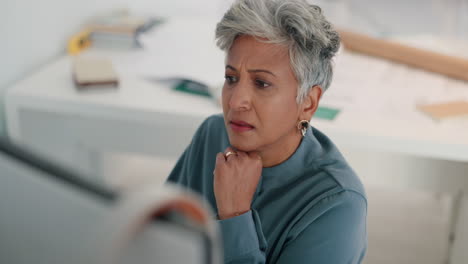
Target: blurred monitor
50,215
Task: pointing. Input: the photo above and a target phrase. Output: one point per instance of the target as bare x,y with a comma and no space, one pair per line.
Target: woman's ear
311,102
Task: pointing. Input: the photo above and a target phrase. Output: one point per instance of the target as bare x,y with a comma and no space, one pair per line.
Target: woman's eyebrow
232,68
260,70
254,70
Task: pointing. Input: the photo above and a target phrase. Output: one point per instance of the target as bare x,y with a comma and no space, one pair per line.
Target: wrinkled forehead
253,52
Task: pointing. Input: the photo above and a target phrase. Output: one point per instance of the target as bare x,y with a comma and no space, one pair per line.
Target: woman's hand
235,181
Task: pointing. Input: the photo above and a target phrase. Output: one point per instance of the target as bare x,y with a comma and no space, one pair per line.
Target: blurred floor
404,226
408,227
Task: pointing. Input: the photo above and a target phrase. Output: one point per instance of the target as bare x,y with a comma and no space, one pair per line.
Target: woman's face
259,96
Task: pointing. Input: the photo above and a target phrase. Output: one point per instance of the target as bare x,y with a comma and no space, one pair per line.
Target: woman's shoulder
211,134
332,185
345,178
212,123
210,126
216,121
346,208
329,161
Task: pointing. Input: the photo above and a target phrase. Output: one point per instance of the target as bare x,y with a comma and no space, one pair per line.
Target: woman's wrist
225,216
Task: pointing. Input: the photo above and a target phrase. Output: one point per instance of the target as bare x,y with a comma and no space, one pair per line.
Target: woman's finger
230,154
220,159
228,149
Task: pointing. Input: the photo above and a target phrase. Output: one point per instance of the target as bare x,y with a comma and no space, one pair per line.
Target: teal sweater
311,208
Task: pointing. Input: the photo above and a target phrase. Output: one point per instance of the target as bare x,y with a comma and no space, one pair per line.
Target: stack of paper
94,72
119,29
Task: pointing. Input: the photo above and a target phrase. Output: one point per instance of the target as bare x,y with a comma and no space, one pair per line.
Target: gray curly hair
310,38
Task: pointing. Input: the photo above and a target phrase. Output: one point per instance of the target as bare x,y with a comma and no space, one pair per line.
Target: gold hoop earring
302,126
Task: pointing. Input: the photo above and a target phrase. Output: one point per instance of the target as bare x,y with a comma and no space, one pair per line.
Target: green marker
192,87
327,113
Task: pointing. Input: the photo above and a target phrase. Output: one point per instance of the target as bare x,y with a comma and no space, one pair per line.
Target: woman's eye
261,84
230,79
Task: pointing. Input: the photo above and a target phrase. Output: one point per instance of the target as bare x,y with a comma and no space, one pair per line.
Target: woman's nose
240,98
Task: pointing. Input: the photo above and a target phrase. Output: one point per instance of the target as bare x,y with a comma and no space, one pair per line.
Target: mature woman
281,189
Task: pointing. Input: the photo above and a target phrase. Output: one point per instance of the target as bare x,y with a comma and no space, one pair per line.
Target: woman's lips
240,126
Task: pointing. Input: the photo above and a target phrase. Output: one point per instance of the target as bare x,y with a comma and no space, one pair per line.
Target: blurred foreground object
430,61
51,215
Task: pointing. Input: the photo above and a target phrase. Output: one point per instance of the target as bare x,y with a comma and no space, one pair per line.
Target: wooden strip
427,60
445,110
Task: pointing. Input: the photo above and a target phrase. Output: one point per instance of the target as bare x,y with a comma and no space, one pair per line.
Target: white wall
35,32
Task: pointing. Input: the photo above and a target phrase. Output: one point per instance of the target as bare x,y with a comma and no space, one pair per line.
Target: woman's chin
242,146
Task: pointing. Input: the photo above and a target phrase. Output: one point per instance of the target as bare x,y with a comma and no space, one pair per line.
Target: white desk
175,114
46,112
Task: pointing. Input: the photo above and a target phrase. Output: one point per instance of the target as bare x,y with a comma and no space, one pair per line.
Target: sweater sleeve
243,240
338,235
